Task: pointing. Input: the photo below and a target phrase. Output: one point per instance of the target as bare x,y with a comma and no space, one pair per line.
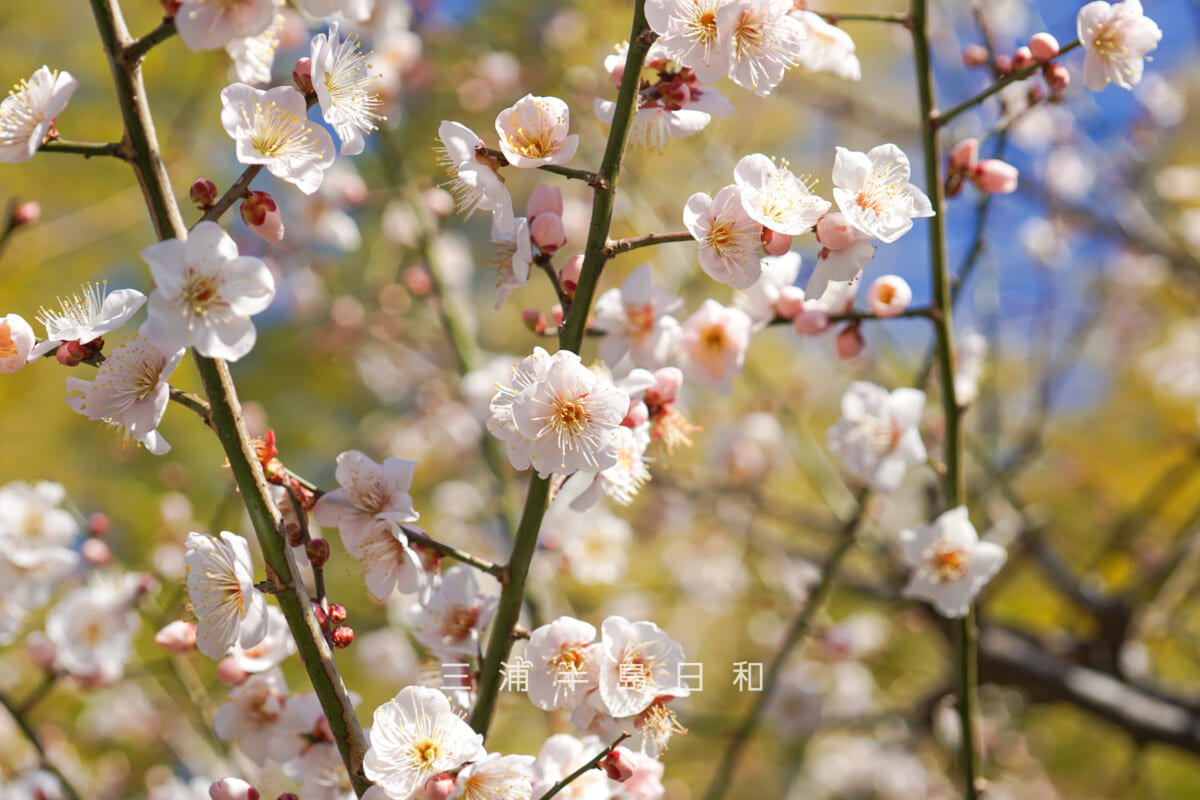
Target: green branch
646,240
939,119
85,149
225,408
592,763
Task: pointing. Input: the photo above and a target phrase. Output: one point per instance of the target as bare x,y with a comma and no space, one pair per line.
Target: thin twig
939,119
235,192
590,178
590,765
422,538
137,50
85,149
645,240
31,735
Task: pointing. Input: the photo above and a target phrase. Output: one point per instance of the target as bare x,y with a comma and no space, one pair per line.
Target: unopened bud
41,650
545,199
835,232
232,789
319,612
203,193
70,354
418,281
994,176
1004,65
343,636
337,612
810,322
569,275
534,320
439,787
439,202
974,55
261,213
288,796
964,155
618,764
25,214
317,552
178,636
302,75
96,552
547,232
1022,58
667,383
790,302
230,672
1057,77
889,295
170,7
849,341
556,313
775,244
1043,46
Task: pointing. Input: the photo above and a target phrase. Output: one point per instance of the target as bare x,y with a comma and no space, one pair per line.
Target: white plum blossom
204,294
495,777
36,535
220,584
566,420
209,24
775,198
729,237
356,10
623,480
452,622
877,436
513,258
277,645
1115,41
838,267
475,180
761,41
16,342
778,278
254,56
30,109
873,191
713,344
86,316
92,627
252,713
271,128
415,736
594,543
533,132
321,773
635,321
688,33
950,564
565,647
345,88
638,662
827,48
130,390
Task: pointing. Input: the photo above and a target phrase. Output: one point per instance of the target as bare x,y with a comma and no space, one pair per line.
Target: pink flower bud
534,320
170,7
41,650
232,789
96,551
70,354
439,202
888,296
545,199
98,524
177,636
343,636
547,232
637,414
667,383
964,155
775,244
1022,58
1043,47
569,275
835,231
288,796
556,312
302,75
319,613
317,552
203,193
1057,77
810,322
790,302
261,214
230,673
1004,65
337,612
849,341
25,214
418,281
439,787
974,55
618,764
994,176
